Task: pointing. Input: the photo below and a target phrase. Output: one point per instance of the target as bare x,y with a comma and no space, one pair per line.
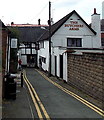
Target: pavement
19,108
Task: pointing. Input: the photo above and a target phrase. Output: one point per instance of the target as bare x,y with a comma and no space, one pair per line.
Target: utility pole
49,74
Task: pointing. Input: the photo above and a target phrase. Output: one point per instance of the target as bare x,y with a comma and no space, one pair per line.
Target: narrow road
56,103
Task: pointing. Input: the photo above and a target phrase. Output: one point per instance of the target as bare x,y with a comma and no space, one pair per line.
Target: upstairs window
74,42
102,42
41,44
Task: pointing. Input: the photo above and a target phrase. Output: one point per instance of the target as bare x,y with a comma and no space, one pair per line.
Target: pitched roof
58,24
2,24
29,33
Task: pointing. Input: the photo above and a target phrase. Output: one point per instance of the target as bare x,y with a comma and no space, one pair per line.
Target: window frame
41,45
102,42
74,42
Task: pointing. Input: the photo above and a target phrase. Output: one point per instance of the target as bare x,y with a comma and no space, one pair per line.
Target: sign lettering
74,25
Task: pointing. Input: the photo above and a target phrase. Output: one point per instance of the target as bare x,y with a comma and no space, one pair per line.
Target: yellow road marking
90,105
34,101
39,101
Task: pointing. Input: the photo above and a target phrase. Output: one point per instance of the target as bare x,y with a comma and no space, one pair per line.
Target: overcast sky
29,11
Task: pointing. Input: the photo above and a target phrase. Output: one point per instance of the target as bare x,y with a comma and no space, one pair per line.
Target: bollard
22,79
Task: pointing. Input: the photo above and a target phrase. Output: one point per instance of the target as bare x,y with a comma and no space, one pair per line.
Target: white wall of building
57,52
59,38
96,25
44,52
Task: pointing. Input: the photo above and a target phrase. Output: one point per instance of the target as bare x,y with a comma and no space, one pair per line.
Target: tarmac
21,107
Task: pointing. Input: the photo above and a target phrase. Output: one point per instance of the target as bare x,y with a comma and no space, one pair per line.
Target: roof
58,24
26,25
2,24
29,33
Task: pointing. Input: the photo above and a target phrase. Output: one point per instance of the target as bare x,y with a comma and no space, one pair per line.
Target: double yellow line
90,105
37,102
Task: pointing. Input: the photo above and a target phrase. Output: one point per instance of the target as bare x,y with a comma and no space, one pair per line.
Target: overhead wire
39,13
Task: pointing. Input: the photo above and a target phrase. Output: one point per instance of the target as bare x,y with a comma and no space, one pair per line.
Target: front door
55,65
61,66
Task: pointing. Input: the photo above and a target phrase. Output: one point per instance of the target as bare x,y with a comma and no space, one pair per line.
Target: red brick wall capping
69,51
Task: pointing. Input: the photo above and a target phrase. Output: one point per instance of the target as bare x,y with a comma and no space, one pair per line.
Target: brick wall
4,45
86,73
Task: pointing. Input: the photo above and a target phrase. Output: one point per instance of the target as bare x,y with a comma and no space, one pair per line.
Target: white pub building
69,32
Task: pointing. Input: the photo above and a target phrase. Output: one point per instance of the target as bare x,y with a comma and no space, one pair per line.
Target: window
44,60
102,41
41,44
74,42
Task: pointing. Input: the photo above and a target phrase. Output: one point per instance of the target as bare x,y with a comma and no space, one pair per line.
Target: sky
29,11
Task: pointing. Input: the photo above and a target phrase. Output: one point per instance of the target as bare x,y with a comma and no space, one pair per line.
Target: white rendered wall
57,52
97,27
60,37
44,52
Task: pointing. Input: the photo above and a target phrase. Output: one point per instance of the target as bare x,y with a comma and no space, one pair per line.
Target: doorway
61,66
31,60
55,65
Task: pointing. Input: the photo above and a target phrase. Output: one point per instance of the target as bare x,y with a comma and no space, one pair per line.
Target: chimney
103,10
96,26
39,21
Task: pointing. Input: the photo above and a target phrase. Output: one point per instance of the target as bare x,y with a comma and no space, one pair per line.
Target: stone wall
86,72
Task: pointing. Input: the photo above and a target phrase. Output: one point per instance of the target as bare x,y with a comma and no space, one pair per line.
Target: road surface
50,101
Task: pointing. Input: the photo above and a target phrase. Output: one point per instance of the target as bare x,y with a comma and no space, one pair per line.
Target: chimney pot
38,21
95,11
12,23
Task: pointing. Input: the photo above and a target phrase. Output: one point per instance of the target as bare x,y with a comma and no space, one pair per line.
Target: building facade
77,53
69,32
28,34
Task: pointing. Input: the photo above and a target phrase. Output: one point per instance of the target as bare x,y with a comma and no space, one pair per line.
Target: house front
69,32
